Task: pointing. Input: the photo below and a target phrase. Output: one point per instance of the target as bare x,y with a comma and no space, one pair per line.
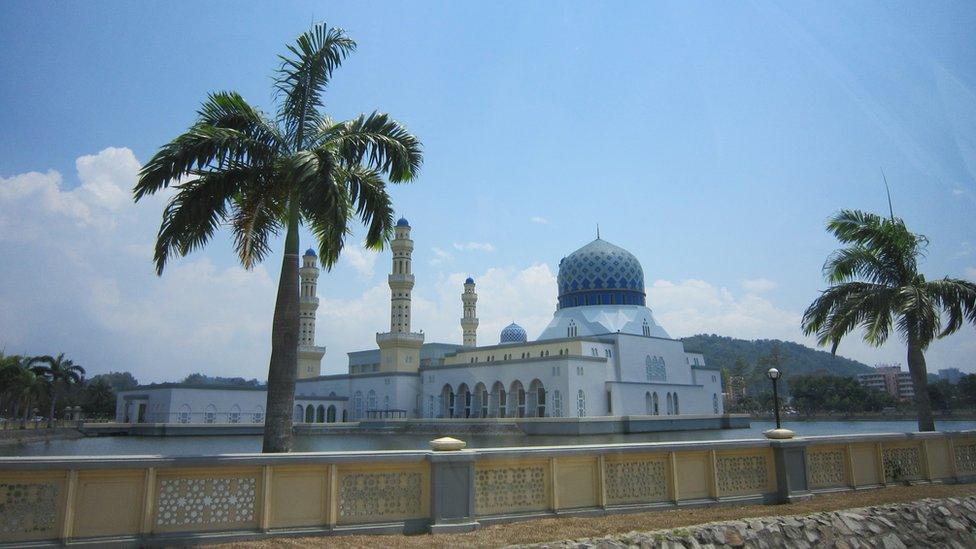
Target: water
174,446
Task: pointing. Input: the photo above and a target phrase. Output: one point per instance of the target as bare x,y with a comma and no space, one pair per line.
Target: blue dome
403,222
310,252
469,280
513,333
600,274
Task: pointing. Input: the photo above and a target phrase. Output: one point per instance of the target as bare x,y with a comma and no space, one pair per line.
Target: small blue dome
513,333
469,280
403,222
310,252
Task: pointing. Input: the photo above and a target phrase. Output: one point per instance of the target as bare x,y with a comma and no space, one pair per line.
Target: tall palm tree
876,286
234,165
60,373
26,386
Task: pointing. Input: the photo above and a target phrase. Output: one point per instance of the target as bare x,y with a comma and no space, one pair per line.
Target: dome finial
598,231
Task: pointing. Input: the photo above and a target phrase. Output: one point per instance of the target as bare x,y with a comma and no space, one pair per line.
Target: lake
131,445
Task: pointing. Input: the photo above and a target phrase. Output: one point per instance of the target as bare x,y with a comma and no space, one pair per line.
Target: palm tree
25,387
876,286
234,165
60,373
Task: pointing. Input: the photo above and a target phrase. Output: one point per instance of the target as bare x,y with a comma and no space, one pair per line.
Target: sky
710,139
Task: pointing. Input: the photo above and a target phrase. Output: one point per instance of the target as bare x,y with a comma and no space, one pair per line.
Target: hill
722,352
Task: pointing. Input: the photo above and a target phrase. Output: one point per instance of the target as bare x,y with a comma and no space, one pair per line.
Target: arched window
654,368
580,403
320,414
714,403
184,416
257,416
557,404
330,414
299,413
431,406
370,400
310,414
657,410
571,330
210,416
357,405
648,403
386,402
518,391
670,405
235,414
647,328
677,411
345,416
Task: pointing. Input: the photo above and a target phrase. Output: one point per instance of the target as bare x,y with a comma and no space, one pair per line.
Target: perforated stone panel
381,495
966,457
740,475
639,481
506,489
189,503
825,468
901,464
29,510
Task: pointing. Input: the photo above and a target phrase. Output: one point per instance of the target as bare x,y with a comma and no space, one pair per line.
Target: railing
134,499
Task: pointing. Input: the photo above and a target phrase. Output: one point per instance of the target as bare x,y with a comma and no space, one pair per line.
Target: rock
733,538
891,541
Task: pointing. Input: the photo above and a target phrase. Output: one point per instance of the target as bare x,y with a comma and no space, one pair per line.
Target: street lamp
773,374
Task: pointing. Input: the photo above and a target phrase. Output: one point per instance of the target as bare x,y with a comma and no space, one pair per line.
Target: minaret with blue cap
469,317
309,355
400,348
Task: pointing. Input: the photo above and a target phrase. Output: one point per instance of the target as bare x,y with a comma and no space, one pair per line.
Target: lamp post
773,374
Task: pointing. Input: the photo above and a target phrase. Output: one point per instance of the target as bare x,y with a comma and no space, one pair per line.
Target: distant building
889,378
952,375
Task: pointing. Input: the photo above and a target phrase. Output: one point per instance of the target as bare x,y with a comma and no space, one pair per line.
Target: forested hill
721,351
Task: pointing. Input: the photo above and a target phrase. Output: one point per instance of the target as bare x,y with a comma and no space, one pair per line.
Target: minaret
309,355
400,348
469,318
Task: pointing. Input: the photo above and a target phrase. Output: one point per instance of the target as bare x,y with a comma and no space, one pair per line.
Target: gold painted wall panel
200,500
741,474
502,487
382,494
577,482
864,464
693,475
938,455
641,478
31,505
108,503
299,497
826,467
965,451
902,463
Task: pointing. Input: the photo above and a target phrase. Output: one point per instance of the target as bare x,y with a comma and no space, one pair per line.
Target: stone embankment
949,522
22,436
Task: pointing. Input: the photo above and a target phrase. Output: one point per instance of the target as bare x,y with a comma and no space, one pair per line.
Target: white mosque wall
192,405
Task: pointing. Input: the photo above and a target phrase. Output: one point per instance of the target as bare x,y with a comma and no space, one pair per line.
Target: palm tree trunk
284,346
54,399
916,365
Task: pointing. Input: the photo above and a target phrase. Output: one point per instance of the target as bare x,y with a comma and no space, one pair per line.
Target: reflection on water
244,444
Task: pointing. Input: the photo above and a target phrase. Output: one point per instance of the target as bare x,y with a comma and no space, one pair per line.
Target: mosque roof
403,222
469,280
310,252
600,265
513,333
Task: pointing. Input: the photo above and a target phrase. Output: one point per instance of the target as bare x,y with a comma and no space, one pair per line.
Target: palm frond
957,298
377,141
304,75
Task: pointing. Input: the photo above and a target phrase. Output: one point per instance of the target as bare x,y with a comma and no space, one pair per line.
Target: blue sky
710,139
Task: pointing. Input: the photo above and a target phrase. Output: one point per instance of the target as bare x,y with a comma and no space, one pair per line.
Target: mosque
601,355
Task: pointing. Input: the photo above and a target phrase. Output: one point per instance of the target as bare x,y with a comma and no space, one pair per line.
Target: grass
553,529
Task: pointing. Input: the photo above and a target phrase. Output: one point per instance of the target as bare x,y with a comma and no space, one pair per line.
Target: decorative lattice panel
28,508
741,475
965,457
381,495
507,489
825,468
636,481
901,464
211,501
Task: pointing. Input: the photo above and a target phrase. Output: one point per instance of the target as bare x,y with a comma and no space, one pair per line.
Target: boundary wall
154,500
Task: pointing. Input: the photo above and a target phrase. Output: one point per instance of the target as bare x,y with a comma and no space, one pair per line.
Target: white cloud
971,272
361,259
440,256
965,250
958,191
539,220
758,285
475,246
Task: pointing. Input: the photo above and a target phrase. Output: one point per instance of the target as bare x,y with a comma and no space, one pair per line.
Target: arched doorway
447,401
537,396
480,400
330,414
518,393
320,414
299,413
309,414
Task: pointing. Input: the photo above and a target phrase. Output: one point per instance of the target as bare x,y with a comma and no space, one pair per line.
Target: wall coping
30,463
